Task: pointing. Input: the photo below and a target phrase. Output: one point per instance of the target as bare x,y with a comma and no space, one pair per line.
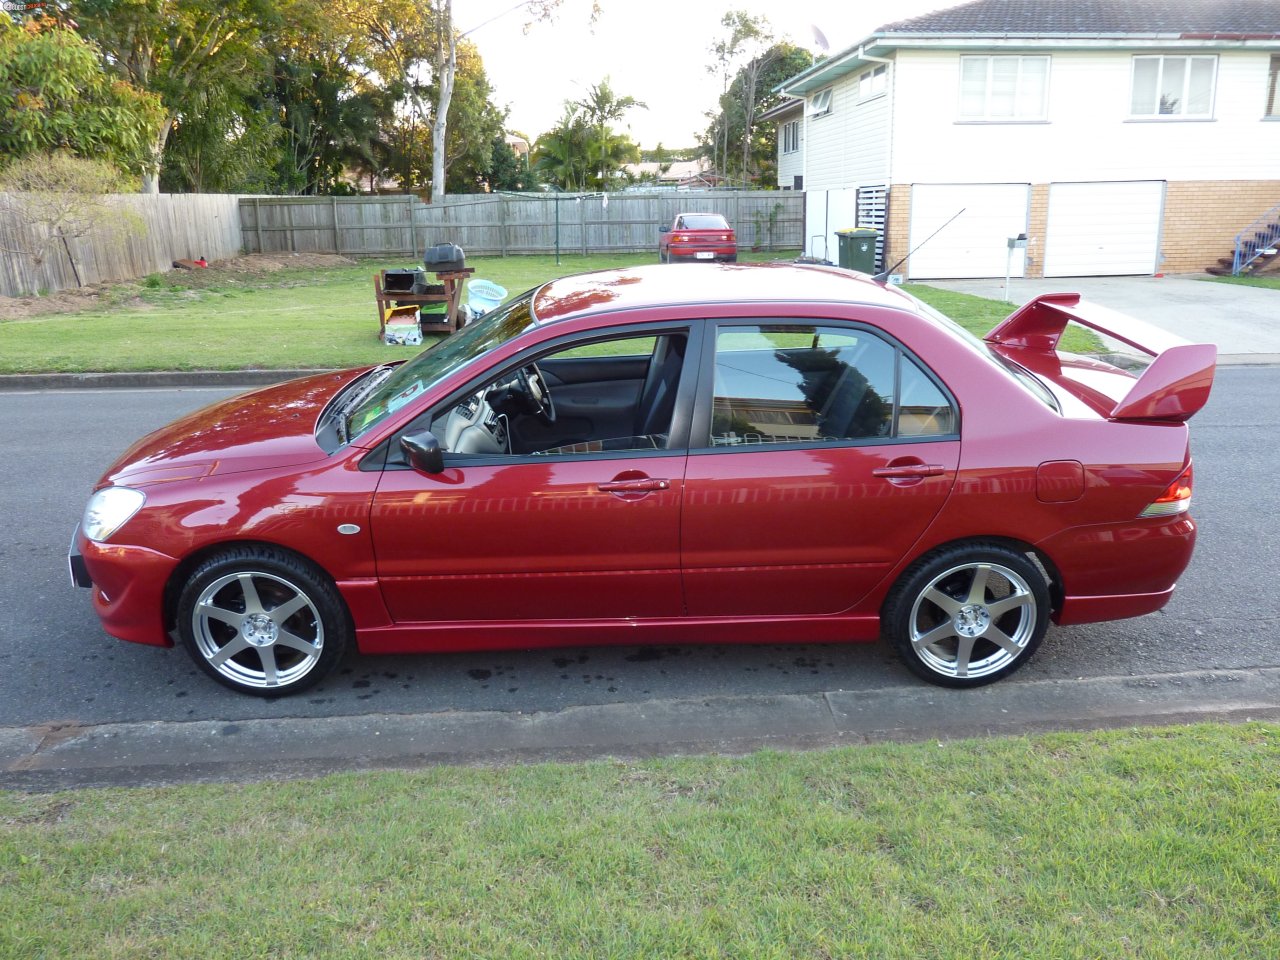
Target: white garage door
974,244
1103,229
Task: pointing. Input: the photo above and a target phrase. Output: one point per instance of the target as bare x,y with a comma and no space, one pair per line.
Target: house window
872,83
820,103
1004,88
1173,86
1273,89
791,136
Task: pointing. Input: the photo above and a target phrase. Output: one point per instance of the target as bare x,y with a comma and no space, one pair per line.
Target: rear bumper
128,586
1114,571
691,253
1075,610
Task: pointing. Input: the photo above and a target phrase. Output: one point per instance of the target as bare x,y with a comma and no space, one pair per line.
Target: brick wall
1202,218
1037,224
897,230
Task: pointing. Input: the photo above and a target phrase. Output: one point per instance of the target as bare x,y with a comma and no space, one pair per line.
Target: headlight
108,509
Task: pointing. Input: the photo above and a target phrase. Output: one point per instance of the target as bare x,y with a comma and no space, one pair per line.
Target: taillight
1176,498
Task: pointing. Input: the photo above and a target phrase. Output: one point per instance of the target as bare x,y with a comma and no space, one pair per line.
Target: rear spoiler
1174,387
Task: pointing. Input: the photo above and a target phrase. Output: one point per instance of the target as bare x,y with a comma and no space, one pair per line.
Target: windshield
417,375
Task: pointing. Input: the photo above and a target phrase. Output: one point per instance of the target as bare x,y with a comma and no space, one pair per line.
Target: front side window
784,383
1273,89
1004,88
1173,86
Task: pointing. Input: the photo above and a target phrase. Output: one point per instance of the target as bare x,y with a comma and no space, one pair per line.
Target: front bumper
75,562
128,584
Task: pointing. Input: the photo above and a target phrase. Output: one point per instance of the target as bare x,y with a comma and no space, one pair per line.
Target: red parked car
698,236
751,454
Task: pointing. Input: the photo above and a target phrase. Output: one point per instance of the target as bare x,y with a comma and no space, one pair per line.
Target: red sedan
755,454
694,237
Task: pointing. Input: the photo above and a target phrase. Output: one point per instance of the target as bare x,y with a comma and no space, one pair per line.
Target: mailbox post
1015,243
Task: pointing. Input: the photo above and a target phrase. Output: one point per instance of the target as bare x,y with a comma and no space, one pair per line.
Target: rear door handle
910,471
641,485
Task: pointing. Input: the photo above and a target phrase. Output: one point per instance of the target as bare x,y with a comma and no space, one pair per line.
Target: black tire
263,621
967,615
663,257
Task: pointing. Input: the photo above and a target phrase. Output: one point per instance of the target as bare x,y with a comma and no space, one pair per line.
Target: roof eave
872,47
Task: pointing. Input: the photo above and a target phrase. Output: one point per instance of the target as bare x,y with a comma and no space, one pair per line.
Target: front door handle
641,485
910,471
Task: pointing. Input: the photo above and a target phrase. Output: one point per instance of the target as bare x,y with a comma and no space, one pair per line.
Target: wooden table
451,280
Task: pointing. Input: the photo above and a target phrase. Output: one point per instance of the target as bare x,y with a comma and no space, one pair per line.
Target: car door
819,454
577,533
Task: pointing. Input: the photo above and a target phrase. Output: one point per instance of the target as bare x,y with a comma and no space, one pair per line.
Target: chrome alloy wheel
257,629
972,620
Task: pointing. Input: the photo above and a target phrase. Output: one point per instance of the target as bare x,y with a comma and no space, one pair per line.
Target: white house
789,116
1120,136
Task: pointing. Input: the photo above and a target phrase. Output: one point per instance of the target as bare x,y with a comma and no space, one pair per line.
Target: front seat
658,395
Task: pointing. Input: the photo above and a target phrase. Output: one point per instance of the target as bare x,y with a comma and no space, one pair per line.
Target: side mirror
423,451
664,229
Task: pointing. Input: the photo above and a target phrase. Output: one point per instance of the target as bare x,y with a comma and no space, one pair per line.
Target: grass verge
1267,282
294,318
1157,843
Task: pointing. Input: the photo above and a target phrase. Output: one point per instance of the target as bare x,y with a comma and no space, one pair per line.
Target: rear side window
796,384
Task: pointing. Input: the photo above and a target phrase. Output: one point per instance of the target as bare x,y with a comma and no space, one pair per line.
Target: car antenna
884,274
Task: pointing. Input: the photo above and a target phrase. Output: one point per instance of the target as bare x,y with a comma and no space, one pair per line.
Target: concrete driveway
1243,321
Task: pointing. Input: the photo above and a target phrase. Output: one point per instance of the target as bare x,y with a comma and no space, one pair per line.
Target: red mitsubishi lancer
745,454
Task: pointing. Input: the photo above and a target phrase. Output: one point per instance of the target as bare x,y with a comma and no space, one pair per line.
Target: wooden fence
498,225
167,227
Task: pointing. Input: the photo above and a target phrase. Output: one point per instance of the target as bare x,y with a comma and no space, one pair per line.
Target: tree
445,61
601,109
181,50
742,32
332,110
508,170
749,95
473,124
560,154
227,142
55,95
60,197
446,67
583,151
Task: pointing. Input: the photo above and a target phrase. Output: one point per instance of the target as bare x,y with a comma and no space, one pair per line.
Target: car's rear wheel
263,621
968,615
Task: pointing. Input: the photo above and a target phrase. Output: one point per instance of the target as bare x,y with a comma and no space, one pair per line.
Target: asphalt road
57,666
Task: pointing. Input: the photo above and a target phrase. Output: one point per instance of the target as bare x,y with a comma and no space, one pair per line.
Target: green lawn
1270,282
1127,844
291,318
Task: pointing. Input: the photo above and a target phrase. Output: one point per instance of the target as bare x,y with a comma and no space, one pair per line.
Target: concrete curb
60,756
145,380
142,380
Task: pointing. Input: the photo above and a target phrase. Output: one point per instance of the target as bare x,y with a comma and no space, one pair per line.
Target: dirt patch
260,263
93,297
126,293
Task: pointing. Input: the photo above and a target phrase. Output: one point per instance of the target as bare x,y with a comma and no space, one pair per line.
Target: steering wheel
534,386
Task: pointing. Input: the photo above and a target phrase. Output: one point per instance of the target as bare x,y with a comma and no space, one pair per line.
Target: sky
653,50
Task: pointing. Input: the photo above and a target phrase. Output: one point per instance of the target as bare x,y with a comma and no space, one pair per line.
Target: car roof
652,285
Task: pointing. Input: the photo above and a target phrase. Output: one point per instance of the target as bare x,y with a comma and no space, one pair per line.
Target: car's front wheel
263,621
968,615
